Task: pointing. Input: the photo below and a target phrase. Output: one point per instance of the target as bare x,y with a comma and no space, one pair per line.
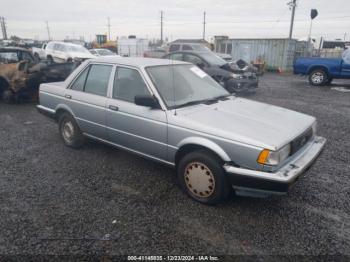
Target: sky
182,18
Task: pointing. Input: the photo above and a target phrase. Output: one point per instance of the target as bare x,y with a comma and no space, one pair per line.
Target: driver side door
137,128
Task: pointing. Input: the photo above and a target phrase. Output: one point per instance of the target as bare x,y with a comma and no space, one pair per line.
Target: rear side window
174,48
80,81
187,47
128,83
98,79
94,80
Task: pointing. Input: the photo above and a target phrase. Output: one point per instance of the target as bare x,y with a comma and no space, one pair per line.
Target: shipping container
132,46
276,53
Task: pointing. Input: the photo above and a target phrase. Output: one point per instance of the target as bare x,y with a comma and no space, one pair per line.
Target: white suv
61,52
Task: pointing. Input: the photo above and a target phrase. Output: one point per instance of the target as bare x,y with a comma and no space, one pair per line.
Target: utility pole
48,30
3,28
161,27
293,5
109,29
204,25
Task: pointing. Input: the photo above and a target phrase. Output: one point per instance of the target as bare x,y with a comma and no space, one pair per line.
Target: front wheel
70,131
8,96
318,77
201,176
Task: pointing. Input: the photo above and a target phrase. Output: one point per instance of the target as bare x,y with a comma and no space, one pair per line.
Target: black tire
70,131
69,60
318,77
8,96
215,190
50,59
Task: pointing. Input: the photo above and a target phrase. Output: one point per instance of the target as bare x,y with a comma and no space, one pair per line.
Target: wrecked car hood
244,121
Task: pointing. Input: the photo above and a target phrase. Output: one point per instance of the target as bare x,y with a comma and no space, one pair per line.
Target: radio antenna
173,83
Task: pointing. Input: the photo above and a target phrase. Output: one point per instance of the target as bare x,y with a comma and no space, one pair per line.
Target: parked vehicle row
233,79
215,140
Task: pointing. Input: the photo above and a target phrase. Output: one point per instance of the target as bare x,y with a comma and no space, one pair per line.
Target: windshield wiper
205,101
190,103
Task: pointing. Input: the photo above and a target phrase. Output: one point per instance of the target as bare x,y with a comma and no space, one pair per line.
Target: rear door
87,96
138,128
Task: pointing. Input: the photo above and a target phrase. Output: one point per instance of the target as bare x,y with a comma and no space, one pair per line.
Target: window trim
132,68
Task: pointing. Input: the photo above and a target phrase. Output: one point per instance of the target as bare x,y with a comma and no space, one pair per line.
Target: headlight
236,76
273,158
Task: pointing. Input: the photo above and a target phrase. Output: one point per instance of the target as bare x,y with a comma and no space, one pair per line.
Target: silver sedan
174,113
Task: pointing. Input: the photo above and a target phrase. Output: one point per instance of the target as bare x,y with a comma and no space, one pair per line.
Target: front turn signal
263,156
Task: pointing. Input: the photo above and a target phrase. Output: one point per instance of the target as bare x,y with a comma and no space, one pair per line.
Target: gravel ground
59,201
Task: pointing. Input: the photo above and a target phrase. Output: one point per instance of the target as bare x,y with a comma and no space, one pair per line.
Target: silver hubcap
68,131
317,78
199,179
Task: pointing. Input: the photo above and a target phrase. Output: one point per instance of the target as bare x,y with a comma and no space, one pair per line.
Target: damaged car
21,74
231,78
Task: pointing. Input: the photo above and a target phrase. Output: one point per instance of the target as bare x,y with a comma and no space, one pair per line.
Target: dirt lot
55,200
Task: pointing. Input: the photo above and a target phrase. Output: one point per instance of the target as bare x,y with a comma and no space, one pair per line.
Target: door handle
114,108
68,96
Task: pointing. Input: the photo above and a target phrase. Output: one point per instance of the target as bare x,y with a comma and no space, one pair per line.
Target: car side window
9,57
193,59
174,48
98,79
177,56
80,81
127,84
187,47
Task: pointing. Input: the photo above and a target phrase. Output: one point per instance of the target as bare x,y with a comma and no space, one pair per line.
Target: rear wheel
318,77
70,131
201,176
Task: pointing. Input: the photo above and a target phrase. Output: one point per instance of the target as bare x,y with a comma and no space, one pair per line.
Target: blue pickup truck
321,71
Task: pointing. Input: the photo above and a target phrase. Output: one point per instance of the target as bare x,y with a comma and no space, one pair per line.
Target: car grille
301,140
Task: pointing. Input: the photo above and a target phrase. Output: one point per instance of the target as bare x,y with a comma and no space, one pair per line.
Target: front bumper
243,84
248,182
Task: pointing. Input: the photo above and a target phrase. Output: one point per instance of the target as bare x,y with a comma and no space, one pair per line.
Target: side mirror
147,100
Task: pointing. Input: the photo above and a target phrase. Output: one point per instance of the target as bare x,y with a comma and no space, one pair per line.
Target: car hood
244,121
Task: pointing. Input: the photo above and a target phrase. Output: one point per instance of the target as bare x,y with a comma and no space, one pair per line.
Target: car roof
13,48
136,61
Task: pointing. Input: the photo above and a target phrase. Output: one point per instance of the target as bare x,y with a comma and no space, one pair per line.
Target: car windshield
105,52
213,59
77,48
181,85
